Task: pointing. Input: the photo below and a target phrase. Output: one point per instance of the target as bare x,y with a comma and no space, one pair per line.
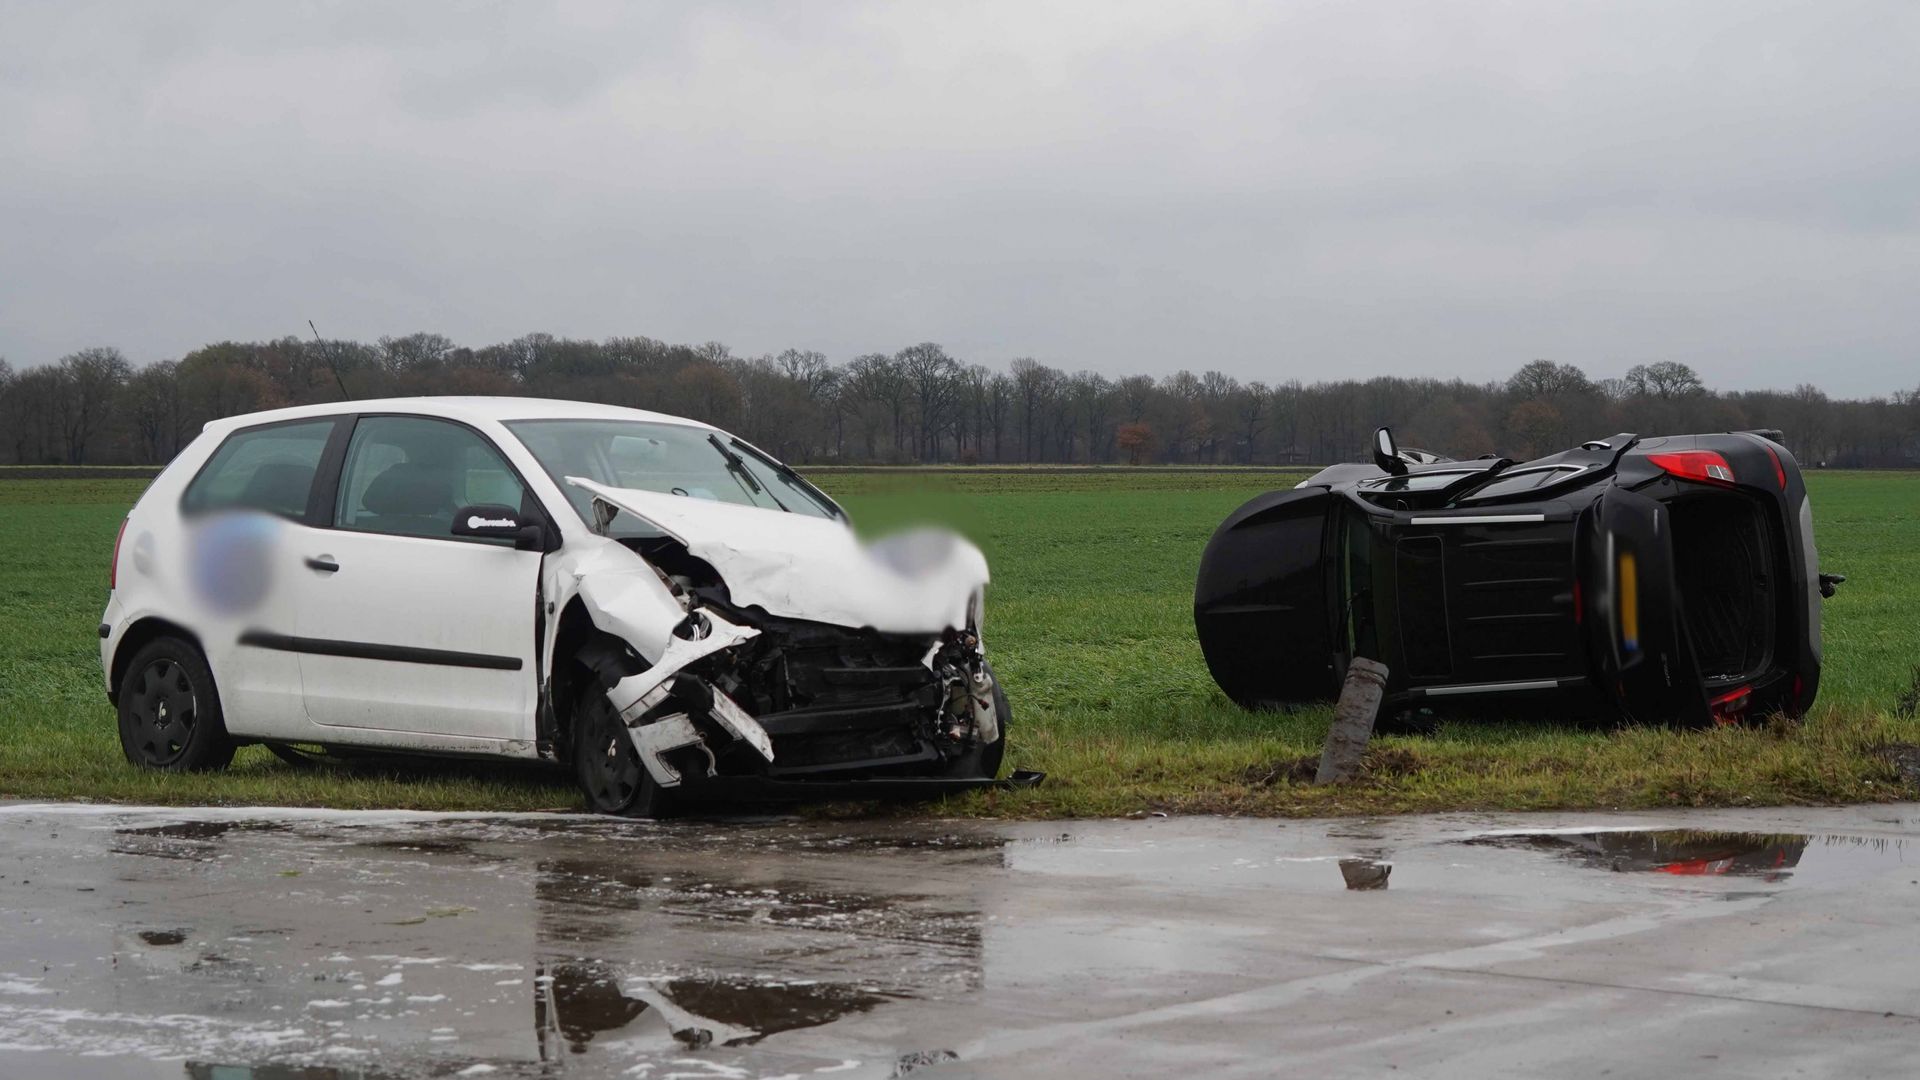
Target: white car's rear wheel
169,710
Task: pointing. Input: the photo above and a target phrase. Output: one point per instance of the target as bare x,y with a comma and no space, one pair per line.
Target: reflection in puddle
747,1011
1703,853
575,1002
1365,874
735,950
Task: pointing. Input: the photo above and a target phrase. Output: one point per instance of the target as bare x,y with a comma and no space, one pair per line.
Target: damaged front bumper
811,710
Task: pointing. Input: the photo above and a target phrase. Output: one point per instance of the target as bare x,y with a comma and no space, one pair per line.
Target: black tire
605,763
983,762
170,716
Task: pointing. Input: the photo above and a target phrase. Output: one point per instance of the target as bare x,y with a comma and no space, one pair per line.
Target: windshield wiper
737,466
793,479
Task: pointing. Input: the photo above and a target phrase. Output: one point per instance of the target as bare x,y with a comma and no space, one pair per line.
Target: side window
406,475
266,468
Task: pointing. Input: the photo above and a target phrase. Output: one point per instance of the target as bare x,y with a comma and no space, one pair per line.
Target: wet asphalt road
299,945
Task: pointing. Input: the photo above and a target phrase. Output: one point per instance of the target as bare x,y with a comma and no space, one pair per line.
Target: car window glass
1516,483
675,459
1432,481
265,468
406,475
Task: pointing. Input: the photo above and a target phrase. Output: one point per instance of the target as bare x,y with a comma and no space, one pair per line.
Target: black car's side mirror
1386,454
496,522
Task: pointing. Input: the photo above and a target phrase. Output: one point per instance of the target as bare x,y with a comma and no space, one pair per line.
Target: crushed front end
739,694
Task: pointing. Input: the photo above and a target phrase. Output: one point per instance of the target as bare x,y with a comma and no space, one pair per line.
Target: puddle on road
202,830
201,1070
1770,857
190,841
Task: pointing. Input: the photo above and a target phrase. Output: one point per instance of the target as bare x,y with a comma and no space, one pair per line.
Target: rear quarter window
270,469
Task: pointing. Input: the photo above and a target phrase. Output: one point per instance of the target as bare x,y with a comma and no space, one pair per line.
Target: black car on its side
1664,580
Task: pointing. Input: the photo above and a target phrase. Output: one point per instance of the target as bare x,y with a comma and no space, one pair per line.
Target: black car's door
1636,627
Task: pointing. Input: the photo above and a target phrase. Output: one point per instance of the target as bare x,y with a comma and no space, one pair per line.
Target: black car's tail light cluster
1703,465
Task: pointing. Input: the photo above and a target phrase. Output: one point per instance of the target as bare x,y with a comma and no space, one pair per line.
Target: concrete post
1352,721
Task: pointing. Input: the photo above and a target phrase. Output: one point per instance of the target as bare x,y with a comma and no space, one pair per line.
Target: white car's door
401,626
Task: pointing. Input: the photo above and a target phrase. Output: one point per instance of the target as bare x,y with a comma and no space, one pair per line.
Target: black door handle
324,565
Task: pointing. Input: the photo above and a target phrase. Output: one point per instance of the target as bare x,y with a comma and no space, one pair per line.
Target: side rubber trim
364,650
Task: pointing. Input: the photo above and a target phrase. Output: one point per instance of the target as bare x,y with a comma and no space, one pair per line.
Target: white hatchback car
646,598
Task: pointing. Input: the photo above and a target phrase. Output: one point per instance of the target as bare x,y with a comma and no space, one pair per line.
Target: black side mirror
497,522
1386,454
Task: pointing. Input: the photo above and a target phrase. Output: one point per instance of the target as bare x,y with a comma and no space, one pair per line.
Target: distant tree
154,407
875,393
812,370
1091,401
29,413
1000,393
1544,380
1536,426
1251,406
1137,394
86,384
1664,379
1135,439
707,391
930,376
414,352
1034,385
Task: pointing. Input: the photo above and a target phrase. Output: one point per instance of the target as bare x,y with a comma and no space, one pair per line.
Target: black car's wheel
169,710
606,764
983,762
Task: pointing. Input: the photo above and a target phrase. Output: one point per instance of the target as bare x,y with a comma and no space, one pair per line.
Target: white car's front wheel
606,763
982,761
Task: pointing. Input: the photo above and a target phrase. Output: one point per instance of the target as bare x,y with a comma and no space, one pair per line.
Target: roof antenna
327,351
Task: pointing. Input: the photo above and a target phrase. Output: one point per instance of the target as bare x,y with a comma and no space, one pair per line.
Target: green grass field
1089,625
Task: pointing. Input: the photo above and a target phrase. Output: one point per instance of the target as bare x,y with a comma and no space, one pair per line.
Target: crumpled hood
804,567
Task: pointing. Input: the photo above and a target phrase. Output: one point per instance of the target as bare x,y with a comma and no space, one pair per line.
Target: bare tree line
922,405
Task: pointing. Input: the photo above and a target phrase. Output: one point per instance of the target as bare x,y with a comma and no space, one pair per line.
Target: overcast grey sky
1276,190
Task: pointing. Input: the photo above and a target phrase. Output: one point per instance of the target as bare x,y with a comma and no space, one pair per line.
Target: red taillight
113,571
1728,708
1779,470
1695,465
1579,609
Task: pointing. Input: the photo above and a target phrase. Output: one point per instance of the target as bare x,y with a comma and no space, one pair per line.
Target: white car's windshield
676,459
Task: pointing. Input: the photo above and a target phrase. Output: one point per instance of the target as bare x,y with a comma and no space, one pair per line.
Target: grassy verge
1089,624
